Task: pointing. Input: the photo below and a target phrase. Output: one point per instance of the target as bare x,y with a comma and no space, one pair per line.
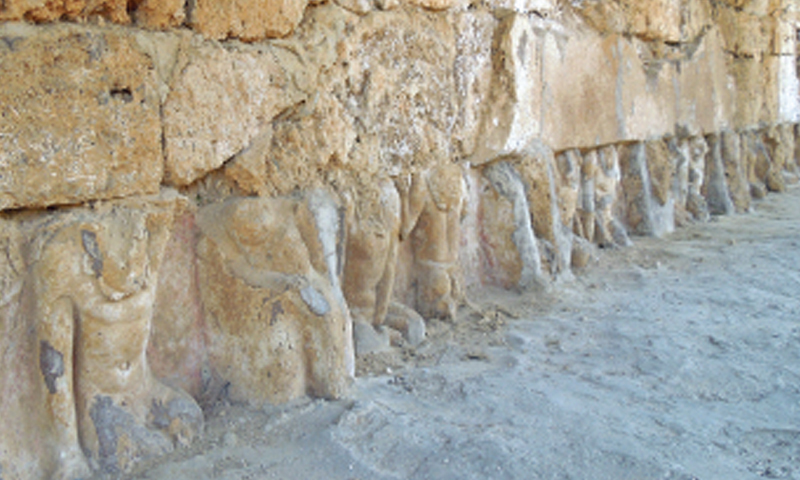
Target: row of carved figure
267,299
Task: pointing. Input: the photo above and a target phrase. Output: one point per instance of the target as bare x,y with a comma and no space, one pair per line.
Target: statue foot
72,466
406,321
176,413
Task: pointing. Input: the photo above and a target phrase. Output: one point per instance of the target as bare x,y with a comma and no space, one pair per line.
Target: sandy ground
674,359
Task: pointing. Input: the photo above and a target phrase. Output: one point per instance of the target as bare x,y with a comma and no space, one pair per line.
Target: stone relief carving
432,205
373,233
94,275
278,325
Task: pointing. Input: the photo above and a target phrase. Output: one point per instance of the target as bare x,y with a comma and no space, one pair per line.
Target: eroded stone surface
278,327
94,282
220,103
80,117
248,20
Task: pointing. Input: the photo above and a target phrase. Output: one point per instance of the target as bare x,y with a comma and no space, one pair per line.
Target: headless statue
95,279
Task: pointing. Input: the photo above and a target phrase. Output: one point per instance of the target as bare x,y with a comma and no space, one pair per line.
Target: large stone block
512,116
248,20
398,82
220,103
146,13
582,89
473,76
79,116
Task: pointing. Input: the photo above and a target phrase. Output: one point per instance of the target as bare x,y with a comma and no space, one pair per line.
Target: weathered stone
398,82
435,4
695,201
473,75
221,102
583,253
26,442
360,7
540,7
146,13
247,20
568,165
373,232
507,214
176,349
585,220
297,151
715,186
511,117
100,266
432,203
608,196
735,176
80,117
278,326
47,11
645,215
161,14
746,34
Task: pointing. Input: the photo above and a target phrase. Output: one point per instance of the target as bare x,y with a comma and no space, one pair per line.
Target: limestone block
161,14
513,247
746,34
757,92
511,119
360,7
146,13
247,20
397,70
651,20
432,203
580,87
644,213
47,11
654,19
278,327
473,75
80,117
434,4
541,7
715,187
735,174
94,275
291,155
220,103
707,95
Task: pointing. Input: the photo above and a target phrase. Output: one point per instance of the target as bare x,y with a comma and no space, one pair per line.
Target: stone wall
233,199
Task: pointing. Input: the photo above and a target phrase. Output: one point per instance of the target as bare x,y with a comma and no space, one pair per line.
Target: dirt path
674,359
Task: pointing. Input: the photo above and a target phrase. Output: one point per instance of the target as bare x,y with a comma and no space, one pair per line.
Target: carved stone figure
269,278
695,202
373,233
432,207
608,229
94,278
